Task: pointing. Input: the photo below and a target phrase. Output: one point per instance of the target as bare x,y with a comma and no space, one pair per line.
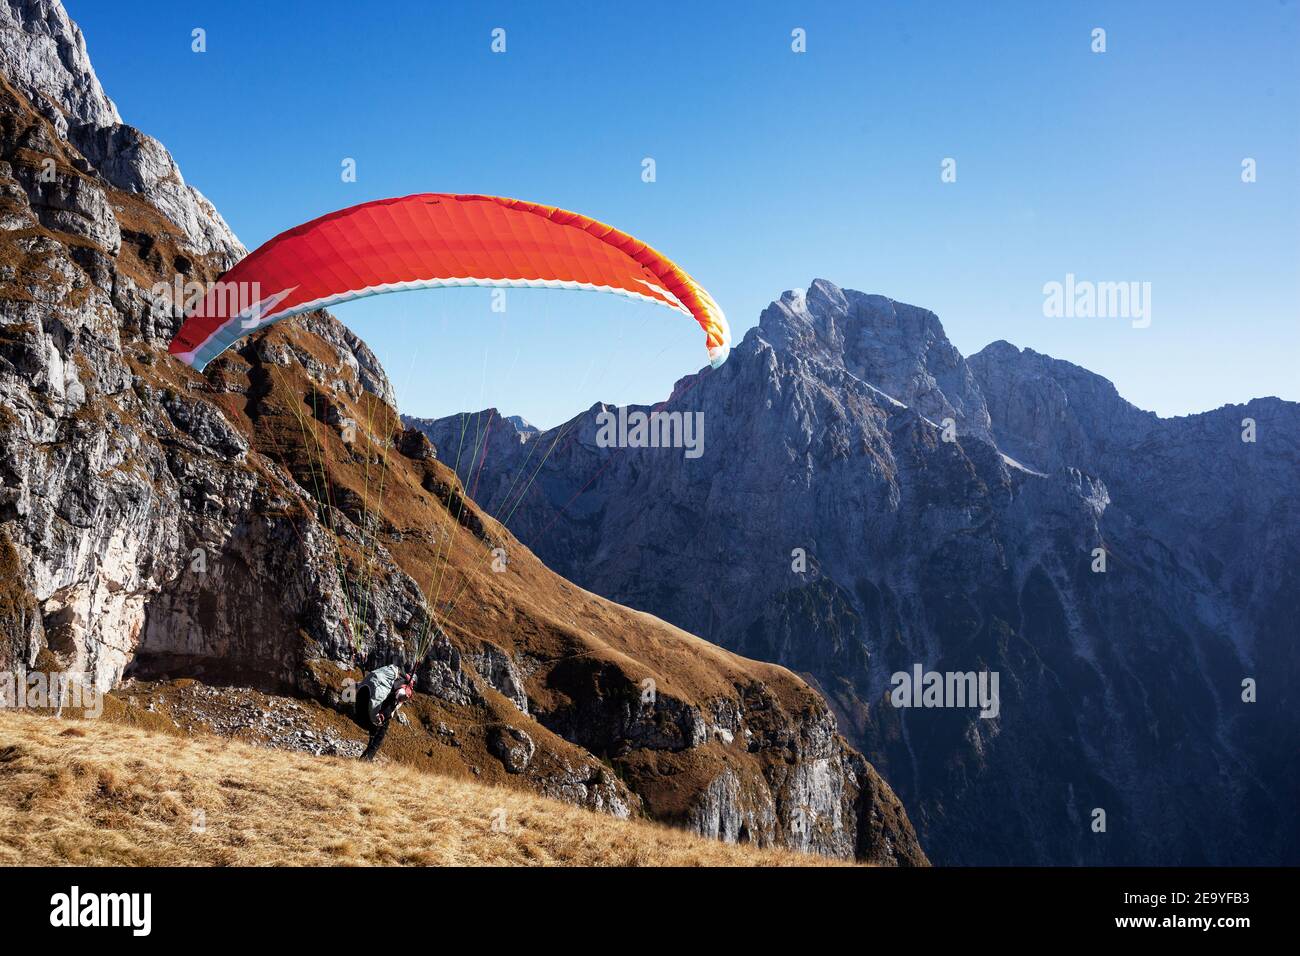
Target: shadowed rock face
1120,690
156,525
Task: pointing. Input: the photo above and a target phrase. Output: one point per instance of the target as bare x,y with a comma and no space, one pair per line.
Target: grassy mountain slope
98,793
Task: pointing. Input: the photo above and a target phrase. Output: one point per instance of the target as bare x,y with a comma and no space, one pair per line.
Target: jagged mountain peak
1051,413
899,349
522,425
43,56
999,348
1025,362
835,317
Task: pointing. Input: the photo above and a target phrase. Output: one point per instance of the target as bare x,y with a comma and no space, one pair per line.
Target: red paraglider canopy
436,239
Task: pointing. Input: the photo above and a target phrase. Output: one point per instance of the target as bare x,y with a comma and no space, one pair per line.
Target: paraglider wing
430,240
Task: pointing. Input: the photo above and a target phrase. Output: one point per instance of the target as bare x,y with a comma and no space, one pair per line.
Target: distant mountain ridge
1122,689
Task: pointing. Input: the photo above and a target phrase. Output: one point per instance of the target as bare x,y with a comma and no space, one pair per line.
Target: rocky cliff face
272,525
868,500
43,57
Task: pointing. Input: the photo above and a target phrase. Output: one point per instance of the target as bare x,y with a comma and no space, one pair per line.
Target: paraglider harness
379,696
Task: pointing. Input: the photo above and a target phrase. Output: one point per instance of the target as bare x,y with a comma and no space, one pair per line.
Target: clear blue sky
773,168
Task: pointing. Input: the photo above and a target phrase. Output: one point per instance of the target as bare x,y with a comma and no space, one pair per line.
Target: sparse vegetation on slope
97,793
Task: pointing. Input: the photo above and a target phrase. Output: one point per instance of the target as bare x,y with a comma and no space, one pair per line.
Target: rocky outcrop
43,55
868,501
272,529
512,746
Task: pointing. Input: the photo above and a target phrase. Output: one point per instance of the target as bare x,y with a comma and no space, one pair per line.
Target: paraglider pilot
379,696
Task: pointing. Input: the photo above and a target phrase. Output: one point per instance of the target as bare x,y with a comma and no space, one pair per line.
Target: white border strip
221,334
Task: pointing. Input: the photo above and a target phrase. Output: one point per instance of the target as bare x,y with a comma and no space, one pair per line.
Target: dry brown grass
95,793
